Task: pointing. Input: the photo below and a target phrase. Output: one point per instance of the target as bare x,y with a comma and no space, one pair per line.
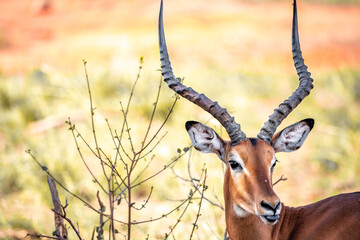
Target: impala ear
205,139
293,136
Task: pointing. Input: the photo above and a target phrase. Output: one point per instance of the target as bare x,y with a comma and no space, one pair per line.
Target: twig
113,169
60,229
192,182
152,114
100,230
125,162
69,221
93,234
146,201
45,169
111,204
162,125
279,180
116,146
122,147
204,187
131,95
152,149
160,171
144,169
178,176
39,236
108,178
178,220
127,129
92,111
125,113
189,198
72,129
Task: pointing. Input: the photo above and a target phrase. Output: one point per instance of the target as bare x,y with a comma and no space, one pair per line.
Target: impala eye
235,165
272,167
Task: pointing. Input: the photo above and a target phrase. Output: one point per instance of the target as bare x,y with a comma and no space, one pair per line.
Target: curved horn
232,128
305,85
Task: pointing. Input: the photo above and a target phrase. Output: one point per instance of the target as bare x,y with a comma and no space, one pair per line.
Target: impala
252,208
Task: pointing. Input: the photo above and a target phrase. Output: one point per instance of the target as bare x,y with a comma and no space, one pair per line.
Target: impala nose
271,213
271,207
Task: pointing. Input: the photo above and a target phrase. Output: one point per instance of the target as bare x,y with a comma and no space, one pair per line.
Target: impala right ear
292,137
205,139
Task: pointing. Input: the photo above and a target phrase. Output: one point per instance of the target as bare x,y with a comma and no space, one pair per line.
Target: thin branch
204,187
111,204
69,221
122,147
279,180
152,149
152,114
144,169
194,179
116,146
60,229
178,176
157,173
45,169
72,128
108,178
146,201
178,220
125,113
100,231
92,111
131,95
162,125
127,129
190,197
129,204
39,236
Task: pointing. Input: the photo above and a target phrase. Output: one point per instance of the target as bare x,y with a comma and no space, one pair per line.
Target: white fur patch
239,211
234,156
272,163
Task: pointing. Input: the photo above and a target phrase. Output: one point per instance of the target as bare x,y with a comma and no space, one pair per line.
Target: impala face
249,174
249,167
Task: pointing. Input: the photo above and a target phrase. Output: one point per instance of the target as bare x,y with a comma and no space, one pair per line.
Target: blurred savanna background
236,52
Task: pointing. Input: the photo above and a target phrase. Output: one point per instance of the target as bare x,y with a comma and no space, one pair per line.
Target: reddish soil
33,32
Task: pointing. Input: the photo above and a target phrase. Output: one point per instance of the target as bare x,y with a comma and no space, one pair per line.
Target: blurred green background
236,52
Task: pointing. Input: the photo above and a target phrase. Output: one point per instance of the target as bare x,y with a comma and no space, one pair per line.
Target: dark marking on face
302,136
189,124
253,141
194,137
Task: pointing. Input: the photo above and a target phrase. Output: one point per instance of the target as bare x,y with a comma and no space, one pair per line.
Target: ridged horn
305,85
232,128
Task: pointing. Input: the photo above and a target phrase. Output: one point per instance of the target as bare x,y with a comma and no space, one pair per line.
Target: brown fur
334,218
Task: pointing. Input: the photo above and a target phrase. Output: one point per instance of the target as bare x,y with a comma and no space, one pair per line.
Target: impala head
250,161
249,166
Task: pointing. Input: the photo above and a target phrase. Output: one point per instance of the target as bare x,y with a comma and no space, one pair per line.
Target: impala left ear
292,137
205,139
